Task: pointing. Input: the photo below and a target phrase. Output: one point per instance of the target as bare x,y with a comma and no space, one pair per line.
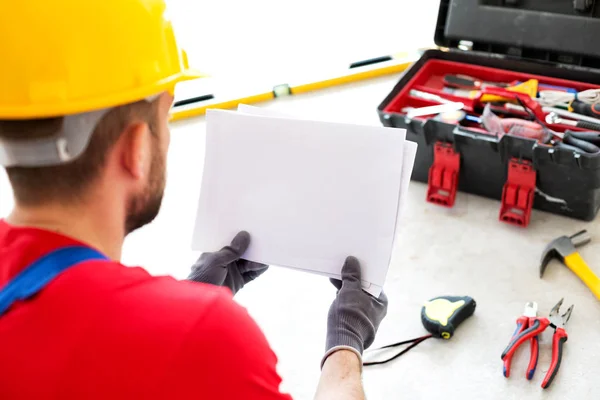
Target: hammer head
562,247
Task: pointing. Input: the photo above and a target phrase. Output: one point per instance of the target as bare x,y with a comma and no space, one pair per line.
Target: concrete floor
441,251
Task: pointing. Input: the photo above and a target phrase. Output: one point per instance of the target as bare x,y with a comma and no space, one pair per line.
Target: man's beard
145,207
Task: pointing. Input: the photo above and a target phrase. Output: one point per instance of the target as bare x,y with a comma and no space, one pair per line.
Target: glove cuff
342,336
343,339
338,348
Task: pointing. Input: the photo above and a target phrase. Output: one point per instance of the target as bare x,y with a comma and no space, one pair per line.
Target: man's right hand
355,315
226,266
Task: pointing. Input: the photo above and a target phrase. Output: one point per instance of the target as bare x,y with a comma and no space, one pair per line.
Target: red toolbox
526,73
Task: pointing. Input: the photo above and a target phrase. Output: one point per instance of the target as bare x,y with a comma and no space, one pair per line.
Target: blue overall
41,272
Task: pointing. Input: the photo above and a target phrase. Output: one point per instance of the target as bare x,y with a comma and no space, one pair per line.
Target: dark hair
67,183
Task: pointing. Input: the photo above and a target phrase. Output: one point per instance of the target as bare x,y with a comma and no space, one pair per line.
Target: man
86,89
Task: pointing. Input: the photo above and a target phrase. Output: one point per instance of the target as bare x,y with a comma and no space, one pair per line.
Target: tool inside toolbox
493,99
507,107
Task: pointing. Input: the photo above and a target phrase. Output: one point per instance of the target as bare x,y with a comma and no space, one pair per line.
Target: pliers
525,322
529,327
582,142
586,142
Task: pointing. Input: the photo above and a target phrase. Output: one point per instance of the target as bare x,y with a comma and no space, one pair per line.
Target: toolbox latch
518,193
443,175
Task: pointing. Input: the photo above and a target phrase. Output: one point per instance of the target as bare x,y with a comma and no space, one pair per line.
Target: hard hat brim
59,109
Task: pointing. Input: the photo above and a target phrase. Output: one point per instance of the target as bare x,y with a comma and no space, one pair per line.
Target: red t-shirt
105,331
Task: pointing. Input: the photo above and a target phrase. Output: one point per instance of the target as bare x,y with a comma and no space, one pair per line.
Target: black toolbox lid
557,31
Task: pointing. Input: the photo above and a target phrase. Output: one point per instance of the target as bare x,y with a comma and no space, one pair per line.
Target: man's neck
96,227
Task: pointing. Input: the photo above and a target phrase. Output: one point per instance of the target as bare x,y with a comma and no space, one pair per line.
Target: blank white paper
410,154
310,193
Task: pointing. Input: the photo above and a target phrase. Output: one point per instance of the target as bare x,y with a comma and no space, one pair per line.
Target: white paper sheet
410,154
310,193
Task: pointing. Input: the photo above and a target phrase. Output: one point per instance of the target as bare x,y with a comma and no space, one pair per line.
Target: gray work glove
225,267
355,315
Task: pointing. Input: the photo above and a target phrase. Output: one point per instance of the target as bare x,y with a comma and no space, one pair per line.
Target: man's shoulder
131,298
201,320
136,287
212,317
169,290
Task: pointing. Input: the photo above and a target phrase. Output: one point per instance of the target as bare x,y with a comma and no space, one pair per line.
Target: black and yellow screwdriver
440,317
590,110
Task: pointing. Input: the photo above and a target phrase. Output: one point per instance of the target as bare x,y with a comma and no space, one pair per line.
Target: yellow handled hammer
565,249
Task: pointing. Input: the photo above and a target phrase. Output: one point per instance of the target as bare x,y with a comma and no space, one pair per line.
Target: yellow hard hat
62,57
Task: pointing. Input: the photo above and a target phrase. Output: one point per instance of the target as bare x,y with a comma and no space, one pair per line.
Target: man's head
126,154
60,63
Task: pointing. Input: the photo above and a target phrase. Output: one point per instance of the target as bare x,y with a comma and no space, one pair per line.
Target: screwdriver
429,96
553,118
579,107
440,317
468,82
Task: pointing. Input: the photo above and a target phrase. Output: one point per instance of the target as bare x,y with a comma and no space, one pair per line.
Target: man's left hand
225,267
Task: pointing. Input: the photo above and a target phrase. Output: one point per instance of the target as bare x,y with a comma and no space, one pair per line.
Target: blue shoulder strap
38,274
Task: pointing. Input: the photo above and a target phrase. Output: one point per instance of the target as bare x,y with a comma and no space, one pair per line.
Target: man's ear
136,149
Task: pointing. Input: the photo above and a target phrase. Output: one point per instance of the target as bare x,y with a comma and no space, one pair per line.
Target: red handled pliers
529,327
